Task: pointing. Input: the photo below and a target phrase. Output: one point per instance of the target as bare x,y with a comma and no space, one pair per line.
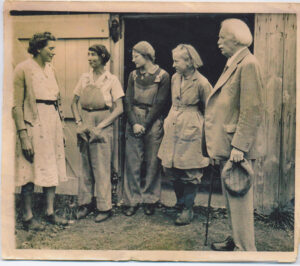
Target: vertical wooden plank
269,49
261,28
117,68
19,51
82,57
59,63
72,62
287,177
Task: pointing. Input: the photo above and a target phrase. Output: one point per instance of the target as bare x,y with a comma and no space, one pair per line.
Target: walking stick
209,201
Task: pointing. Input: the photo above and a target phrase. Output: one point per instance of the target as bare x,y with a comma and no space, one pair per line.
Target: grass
141,232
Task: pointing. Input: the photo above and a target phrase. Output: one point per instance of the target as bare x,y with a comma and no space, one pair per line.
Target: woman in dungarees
40,154
146,96
181,149
100,96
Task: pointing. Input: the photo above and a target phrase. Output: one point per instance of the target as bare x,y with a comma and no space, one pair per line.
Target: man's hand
236,155
26,145
138,130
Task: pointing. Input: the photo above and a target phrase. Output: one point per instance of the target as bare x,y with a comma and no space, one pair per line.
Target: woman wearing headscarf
100,95
181,147
40,155
146,95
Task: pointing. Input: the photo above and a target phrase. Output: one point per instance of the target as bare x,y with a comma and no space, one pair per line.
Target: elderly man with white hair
232,120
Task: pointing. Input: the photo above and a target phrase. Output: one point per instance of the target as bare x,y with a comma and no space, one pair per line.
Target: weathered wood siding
275,48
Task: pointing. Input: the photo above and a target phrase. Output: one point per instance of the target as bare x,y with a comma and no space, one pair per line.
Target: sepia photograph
149,131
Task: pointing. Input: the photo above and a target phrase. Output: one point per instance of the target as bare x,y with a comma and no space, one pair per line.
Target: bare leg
29,223
50,195
27,192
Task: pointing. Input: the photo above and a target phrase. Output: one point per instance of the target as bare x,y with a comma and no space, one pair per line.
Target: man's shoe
227,245
185,217
130,211
33,224
54,219
102,216
149,209
83,211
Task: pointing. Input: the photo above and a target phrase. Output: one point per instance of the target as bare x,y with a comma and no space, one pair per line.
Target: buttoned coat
233,111
181,146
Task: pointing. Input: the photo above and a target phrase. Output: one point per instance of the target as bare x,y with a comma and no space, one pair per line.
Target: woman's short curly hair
39,41
101,52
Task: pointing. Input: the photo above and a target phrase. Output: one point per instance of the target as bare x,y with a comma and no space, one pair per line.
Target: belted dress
96,99
146,97
181,147
36,97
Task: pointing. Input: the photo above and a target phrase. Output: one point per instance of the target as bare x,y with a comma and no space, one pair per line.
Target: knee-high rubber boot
179,191
187,214
190,192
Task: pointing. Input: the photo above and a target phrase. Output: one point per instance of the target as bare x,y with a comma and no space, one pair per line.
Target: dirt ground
141,232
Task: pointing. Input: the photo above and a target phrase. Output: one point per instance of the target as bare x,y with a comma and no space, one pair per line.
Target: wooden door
74,33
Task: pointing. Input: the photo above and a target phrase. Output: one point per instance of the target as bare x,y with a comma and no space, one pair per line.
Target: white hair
239,30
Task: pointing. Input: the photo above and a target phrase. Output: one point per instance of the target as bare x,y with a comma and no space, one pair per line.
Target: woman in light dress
40,156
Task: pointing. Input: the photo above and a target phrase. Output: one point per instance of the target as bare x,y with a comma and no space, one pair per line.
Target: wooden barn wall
275,48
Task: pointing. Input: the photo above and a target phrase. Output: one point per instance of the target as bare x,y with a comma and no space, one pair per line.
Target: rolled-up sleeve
116,90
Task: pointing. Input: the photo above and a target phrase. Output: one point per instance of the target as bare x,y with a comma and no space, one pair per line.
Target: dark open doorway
166,31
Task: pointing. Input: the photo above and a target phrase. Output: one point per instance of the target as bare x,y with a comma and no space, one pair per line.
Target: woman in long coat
181,148
40,156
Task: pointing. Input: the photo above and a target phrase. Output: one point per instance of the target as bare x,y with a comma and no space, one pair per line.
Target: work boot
190,192
179,192
149,209
33,224
227,245
130,210
102,216
83,211
185,217
54,219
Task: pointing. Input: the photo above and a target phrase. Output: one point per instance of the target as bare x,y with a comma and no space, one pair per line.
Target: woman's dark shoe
149,209
227,245
185,217
33,224
102,216
130,211
83,211
54,219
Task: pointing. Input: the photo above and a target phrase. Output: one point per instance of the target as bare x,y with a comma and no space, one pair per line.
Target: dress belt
190,108
95,109
48,102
